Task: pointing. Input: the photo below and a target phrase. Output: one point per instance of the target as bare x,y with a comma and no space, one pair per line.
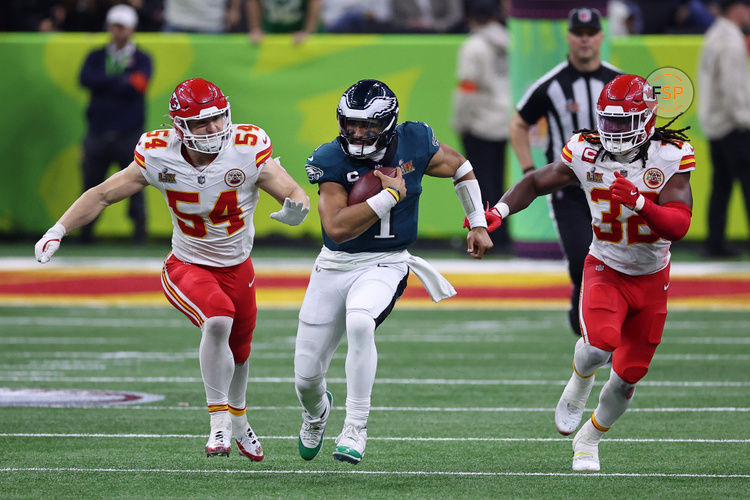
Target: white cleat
249,445
220,440
350,445
586,449
311,433
572,402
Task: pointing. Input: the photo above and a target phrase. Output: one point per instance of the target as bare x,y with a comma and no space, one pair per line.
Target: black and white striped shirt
567,98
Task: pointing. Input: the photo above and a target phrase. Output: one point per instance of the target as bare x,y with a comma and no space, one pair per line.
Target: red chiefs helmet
626,113
197,99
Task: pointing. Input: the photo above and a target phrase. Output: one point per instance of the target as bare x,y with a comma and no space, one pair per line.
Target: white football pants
354,302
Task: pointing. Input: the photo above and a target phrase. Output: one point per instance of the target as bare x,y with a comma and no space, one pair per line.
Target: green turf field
463,407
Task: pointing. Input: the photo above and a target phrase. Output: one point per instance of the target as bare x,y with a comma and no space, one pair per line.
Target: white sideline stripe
515,265
40,356
380,473
727,409
374,438
390,381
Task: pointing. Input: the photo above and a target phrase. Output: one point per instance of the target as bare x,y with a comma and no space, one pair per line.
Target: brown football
368,185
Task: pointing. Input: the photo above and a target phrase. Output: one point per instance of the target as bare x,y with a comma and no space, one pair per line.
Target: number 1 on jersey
385,227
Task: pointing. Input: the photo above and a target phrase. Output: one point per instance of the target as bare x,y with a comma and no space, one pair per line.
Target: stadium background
291,91
464,397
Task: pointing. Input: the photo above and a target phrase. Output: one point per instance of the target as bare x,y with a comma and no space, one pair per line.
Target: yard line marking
380,473
66,340
376,438
492,330
93,322
728,409
390,381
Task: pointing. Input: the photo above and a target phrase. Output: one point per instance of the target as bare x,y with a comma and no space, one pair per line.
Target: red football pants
201,292
624,315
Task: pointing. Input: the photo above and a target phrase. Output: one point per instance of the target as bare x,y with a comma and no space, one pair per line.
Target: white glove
292,212
46,247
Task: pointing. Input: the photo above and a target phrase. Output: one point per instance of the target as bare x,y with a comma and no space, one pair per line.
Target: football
368,185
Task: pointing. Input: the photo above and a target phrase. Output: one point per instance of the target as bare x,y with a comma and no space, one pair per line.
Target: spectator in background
299,17
481,106
625,17
201,16
73,15
117,76
356,16
426,16
724,115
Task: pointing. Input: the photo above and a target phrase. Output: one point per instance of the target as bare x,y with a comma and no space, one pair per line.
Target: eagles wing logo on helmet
376,108
174,104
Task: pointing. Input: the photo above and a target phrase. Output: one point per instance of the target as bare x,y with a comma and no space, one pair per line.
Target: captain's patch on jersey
313,173
234,177
653,178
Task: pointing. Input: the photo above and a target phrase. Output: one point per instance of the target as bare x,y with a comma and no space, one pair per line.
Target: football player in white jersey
637,181
209,171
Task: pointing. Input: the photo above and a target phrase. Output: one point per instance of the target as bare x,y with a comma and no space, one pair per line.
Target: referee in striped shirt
567,97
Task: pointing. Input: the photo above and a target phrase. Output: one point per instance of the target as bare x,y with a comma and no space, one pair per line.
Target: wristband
382,203
528,169
394,192
502,208
639,202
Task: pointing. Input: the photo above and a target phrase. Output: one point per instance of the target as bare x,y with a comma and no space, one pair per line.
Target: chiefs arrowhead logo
174,104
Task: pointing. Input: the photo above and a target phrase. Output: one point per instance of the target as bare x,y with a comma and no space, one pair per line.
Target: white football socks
237,397
614,399
361,365
216,360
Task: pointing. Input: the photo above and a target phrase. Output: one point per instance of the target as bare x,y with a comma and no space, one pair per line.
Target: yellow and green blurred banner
292,92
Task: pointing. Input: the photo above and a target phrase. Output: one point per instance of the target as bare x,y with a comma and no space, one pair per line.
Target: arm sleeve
670,221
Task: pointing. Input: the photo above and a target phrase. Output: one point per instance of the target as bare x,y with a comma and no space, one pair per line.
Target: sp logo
174,104
234,177
653,178
589,155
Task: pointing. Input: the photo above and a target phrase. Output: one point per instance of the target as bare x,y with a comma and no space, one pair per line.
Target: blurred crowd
335,16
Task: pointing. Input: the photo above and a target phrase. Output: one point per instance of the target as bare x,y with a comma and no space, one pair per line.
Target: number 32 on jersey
633,224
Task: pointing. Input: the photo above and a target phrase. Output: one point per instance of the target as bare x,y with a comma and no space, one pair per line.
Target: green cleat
311,434
350,445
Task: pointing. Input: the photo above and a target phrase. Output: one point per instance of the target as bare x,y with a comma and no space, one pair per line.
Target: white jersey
212,209
622,239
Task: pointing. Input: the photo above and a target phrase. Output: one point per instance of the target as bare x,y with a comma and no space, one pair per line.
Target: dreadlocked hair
664,134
